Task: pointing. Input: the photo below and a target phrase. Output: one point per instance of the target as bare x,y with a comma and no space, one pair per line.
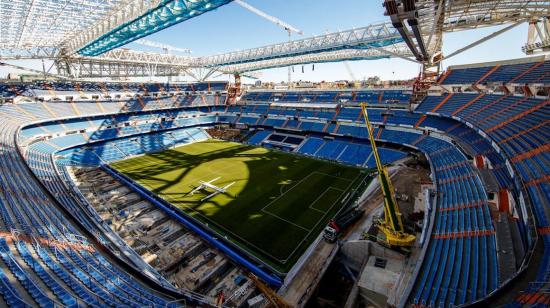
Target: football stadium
135,172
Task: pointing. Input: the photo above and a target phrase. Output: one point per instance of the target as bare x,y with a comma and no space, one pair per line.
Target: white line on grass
209,221
283,261
321,219
320,196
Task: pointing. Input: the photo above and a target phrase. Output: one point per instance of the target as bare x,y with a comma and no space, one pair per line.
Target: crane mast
167,48
285,26
392,225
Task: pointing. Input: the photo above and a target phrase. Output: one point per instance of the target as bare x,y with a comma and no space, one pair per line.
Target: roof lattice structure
49,23
81,35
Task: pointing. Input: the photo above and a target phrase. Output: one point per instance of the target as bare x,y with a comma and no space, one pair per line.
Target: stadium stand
463,135
372,97
527,71
342,151
519,126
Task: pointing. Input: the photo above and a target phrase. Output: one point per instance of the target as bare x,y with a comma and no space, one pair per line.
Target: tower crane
350,72
392,225
167,48
288,28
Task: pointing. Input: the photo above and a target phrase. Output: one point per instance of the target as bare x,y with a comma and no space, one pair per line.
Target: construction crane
167,48
350,72
288,28
392,225
274,299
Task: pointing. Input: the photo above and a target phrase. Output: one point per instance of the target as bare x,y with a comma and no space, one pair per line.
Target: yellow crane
392,225
274,299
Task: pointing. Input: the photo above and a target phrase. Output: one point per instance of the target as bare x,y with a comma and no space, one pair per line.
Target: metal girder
29,53
28,69
136,19
48,23
399,50
422,23
127,56
482,40
40,29
123,63
469,14
379,35
97,68
538,36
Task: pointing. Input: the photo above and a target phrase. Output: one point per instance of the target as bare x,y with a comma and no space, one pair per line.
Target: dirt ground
407,179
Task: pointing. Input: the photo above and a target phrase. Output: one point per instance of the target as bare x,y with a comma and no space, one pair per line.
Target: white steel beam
379,35
334,56
29,53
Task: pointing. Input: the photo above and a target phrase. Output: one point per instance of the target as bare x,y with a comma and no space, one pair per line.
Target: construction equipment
211,188
167,48
392,225
288,28
274,20
337,225
274,299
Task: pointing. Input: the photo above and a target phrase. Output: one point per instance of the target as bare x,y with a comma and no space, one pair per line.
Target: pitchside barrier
269,278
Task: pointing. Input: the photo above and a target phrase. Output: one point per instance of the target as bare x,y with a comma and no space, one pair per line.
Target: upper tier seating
78,88
522,73
520,127
359,96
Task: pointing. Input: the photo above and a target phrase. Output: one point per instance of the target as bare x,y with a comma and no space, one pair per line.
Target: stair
489,73
519,116
446,99
526,72
475,99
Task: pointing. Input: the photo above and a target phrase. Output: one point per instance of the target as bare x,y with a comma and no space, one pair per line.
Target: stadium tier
487,152
527,71
62,90
343,96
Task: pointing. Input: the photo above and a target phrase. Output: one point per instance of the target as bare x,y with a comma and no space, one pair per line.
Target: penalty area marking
321,219
266,210
248,243
320,196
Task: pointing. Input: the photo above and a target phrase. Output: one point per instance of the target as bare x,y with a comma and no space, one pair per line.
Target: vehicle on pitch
210,187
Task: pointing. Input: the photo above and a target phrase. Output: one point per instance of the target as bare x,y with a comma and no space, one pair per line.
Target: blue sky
231,27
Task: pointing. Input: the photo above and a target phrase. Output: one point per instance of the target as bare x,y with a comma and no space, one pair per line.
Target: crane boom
350,72
264,15
392,225
165,47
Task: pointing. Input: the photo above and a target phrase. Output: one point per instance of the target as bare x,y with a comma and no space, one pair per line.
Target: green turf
277,206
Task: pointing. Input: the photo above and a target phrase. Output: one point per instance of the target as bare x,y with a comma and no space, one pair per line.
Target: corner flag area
276,205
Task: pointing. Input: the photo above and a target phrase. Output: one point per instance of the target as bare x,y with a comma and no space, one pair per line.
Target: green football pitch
278,203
